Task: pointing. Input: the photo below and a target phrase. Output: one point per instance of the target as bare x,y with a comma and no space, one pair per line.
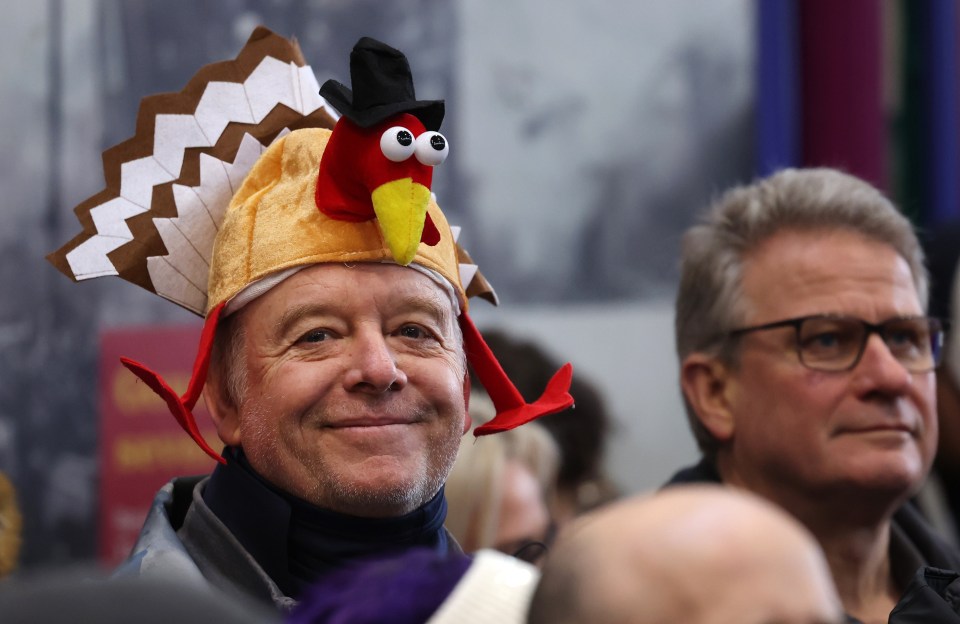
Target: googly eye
397,144
432,148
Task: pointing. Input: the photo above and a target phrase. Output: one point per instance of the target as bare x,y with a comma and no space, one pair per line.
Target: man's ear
709,386
224,413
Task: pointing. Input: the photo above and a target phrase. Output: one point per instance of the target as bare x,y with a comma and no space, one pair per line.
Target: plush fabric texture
273,223
356,182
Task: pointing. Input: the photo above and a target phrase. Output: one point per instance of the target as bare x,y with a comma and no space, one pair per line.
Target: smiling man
807,367
350,374
334,354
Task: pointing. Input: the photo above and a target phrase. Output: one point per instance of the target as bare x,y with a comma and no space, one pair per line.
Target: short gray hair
228,359
709,300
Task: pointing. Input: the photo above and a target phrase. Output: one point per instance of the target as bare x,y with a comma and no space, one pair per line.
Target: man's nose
880,371
373,366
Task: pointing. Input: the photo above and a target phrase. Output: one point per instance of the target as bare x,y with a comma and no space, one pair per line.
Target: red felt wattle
431,235
180,406
512,410
555,398
202,362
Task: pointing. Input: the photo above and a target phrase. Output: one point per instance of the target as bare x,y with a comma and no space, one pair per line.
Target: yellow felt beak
401,209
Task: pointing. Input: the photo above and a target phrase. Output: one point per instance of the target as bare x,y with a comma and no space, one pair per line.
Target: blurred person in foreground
500,488
333,358
940,498
807,366
693,554
80,595
421,585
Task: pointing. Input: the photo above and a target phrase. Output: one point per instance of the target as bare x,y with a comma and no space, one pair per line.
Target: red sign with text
141,444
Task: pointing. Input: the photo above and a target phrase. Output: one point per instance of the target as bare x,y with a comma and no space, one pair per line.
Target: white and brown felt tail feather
144,226
181,274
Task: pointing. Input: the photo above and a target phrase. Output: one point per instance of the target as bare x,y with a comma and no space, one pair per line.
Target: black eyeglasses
836,343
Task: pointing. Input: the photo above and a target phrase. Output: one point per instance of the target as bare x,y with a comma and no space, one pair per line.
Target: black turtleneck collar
294,541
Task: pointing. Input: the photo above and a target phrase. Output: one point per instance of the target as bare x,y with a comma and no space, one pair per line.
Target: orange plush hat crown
200,212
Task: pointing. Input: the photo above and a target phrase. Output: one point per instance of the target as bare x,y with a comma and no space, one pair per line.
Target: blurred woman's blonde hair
474,489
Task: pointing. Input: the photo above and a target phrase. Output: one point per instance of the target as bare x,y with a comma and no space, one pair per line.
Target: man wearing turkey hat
333,357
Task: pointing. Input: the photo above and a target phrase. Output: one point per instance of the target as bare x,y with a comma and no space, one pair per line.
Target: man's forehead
814,263
377,285
805,236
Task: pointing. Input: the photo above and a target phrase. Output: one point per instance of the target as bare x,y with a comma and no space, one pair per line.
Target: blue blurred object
777,98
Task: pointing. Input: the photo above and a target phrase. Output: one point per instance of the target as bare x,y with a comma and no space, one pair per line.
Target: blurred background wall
584,138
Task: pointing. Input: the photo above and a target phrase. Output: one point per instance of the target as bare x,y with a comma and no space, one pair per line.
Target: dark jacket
920,560
184,540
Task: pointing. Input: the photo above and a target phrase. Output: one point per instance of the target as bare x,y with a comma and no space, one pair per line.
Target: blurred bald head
697,554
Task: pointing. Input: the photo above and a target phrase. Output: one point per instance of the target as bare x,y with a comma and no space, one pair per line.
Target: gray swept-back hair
710,302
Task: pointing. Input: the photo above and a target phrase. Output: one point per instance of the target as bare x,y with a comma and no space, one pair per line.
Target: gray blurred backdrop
584,136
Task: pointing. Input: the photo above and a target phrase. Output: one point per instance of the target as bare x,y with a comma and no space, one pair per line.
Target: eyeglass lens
837,343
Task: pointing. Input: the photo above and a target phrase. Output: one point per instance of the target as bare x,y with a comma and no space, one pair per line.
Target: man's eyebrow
429,305
291,316
432,306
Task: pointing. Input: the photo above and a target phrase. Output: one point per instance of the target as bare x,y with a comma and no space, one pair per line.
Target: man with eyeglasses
806,363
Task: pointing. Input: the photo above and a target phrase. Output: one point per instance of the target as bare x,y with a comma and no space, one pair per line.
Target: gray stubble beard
338,494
